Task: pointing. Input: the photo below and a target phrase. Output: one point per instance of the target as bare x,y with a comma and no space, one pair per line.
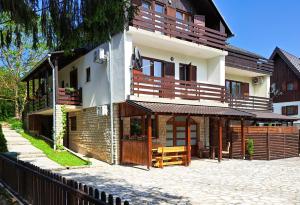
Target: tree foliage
65,24
16,59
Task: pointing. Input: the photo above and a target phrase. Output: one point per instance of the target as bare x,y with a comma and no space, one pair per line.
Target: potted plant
250,148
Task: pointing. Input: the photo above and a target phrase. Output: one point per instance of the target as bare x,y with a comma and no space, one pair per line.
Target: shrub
250,147
3,146
15,124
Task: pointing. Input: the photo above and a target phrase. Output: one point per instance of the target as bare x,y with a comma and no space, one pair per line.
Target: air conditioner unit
102,110
99,56
258,80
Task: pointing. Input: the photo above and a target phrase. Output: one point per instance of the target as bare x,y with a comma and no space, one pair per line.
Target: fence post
110,199
118,201
268,144
103,196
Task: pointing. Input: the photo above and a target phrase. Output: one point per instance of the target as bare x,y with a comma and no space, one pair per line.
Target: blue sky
261,25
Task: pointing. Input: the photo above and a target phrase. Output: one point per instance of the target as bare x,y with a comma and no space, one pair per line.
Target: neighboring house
189,89
286,79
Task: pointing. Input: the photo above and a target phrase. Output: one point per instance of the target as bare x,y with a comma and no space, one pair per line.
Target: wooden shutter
169,70
182,72
245,89
296,85
283,110
137,2
283,86
171,11
193,73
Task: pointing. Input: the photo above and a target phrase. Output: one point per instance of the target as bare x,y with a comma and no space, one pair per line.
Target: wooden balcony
170,88
64,97
248,61
170,26
249,102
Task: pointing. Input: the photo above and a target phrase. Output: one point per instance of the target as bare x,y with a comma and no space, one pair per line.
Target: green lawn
63,158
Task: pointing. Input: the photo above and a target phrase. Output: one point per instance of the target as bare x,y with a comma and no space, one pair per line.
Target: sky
261,25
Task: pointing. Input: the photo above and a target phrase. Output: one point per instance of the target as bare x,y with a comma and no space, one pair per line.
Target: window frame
152,68
88,74
290,84
242,93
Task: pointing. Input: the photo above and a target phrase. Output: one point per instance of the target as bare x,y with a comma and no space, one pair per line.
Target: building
168,80
286,81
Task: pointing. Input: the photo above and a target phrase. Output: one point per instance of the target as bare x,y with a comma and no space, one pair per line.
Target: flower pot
137,72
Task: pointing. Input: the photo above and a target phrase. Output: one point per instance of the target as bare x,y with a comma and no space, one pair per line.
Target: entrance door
74,79
176,135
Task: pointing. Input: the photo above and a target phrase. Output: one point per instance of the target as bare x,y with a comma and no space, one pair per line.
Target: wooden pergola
130,109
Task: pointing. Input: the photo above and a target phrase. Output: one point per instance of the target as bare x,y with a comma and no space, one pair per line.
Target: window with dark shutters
187,72
193,73
245,89
289,110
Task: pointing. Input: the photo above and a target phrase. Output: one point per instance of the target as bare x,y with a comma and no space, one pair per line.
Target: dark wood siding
281,76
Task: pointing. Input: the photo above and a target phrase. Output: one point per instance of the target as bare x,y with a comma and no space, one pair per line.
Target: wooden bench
165,156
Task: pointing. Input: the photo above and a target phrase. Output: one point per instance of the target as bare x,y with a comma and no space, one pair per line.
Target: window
146,5
73,123
237,89
289,110
63,84
179,15
88,74
187,72
159,8
153,67
138,126
290,86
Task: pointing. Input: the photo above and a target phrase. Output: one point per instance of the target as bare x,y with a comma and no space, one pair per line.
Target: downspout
54,99
111,103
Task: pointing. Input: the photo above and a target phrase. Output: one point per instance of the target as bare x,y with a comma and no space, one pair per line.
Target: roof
290,59
171,108
267,115
64,58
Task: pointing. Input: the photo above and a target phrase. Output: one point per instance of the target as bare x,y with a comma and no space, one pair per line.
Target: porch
147,130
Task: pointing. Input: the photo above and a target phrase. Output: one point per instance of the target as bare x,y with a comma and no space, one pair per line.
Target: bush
3,146
250,147
15,124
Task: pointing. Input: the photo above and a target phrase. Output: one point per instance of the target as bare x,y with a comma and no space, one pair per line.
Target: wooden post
149,141
188,139
33,95
268,144
220,140
242,140
27,89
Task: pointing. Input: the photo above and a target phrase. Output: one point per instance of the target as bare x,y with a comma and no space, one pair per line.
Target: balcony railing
170,26
164,87
249,102
64,97
247,61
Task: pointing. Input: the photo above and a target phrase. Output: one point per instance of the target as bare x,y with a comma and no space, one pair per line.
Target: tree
15,61
66,24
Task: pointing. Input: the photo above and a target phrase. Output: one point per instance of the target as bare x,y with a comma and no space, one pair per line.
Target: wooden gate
134,151
269,142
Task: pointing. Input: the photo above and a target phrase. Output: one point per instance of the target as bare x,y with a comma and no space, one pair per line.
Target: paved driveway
204,182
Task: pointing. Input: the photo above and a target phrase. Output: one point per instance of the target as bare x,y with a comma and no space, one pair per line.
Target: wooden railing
63,98
170,26
247,61
249,102
33,185
170,88
66,97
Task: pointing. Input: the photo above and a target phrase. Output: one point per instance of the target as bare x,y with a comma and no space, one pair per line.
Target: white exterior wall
97,92
277,109
261,90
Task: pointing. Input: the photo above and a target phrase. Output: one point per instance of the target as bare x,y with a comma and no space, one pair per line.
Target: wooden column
243,148
28,94
220,140
149,134
33,95
188,139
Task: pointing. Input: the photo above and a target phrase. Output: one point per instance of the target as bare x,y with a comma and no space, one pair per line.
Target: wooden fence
134,151
269,142
40,187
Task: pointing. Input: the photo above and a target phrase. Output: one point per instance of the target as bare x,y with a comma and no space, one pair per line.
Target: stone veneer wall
92,136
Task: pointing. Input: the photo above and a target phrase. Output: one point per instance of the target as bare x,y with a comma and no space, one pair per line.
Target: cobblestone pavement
204,182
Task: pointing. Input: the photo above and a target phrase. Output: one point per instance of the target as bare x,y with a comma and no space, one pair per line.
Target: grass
63,158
